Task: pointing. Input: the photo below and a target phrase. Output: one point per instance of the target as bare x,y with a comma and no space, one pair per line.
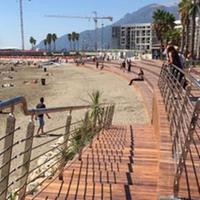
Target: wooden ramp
122,164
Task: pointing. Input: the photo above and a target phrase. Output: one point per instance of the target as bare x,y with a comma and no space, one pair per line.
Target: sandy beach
66,85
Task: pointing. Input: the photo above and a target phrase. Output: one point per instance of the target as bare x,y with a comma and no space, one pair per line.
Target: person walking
129,65
123,66
41,116
97,64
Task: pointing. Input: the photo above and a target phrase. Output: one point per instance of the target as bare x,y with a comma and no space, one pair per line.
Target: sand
67,85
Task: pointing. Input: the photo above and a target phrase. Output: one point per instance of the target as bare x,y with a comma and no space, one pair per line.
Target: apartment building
139,37
142,37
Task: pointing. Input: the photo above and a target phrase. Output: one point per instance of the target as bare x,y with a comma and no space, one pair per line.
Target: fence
26,160
180,93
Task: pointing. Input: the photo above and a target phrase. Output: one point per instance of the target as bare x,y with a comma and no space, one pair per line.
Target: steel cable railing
46,157
181,93
18,128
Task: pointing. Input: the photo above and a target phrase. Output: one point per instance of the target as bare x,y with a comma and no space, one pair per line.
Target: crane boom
64,16
79,17
95,18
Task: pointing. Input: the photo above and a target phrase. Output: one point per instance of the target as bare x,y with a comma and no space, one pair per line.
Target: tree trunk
183,39
187,37
193,33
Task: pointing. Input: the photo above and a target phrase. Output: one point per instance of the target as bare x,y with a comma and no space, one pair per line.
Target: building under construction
139,37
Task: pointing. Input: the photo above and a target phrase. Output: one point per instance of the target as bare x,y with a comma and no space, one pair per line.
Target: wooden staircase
122,164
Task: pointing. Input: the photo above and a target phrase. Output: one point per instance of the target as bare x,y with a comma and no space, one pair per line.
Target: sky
37,25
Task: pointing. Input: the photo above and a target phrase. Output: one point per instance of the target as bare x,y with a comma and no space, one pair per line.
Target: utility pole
96,30
21,22
102,36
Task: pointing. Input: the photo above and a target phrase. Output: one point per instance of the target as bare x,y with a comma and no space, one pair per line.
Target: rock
50,154
34,174
34,186
49,173
6,85
42,160
60,140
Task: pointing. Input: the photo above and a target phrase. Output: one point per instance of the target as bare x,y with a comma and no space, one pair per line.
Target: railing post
83,132
162,76
10,127
112,114
65,145
26,159
176,129
106,117
94,125
102,118
101,123
186,147
109,117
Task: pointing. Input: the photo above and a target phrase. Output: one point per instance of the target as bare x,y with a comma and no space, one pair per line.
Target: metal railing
181,93
29,160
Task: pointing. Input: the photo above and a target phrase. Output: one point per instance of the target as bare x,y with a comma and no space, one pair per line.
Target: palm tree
162,22
45,44
174,36
184,8
54,38
32,41
194,10
69,36
77,39
49,40
73,39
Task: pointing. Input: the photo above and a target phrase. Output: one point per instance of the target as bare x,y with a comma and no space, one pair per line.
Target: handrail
188,76
21,100
176,87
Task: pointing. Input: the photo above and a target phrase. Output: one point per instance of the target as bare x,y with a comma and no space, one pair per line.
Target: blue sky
36,25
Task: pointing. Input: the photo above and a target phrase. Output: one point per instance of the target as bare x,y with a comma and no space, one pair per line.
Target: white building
139,37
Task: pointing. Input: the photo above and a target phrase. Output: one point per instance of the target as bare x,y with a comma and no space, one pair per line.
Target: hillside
143,15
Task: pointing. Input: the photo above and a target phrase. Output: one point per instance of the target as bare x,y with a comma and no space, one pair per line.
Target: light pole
21,22
102,36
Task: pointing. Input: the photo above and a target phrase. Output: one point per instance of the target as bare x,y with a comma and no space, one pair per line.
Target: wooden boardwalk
127,161
122,164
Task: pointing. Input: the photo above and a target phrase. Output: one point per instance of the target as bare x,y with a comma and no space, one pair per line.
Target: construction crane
95,19
21,22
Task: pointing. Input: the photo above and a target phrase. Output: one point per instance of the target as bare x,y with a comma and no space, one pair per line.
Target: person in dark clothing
129,65
97,64
140,77
123,65
173,57
41,116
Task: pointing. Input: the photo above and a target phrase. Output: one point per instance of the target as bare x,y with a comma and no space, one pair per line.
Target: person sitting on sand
41,116
140,77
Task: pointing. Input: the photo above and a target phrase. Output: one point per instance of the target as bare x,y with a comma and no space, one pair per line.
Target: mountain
87,38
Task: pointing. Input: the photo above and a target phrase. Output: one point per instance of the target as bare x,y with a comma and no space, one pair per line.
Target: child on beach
41,116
